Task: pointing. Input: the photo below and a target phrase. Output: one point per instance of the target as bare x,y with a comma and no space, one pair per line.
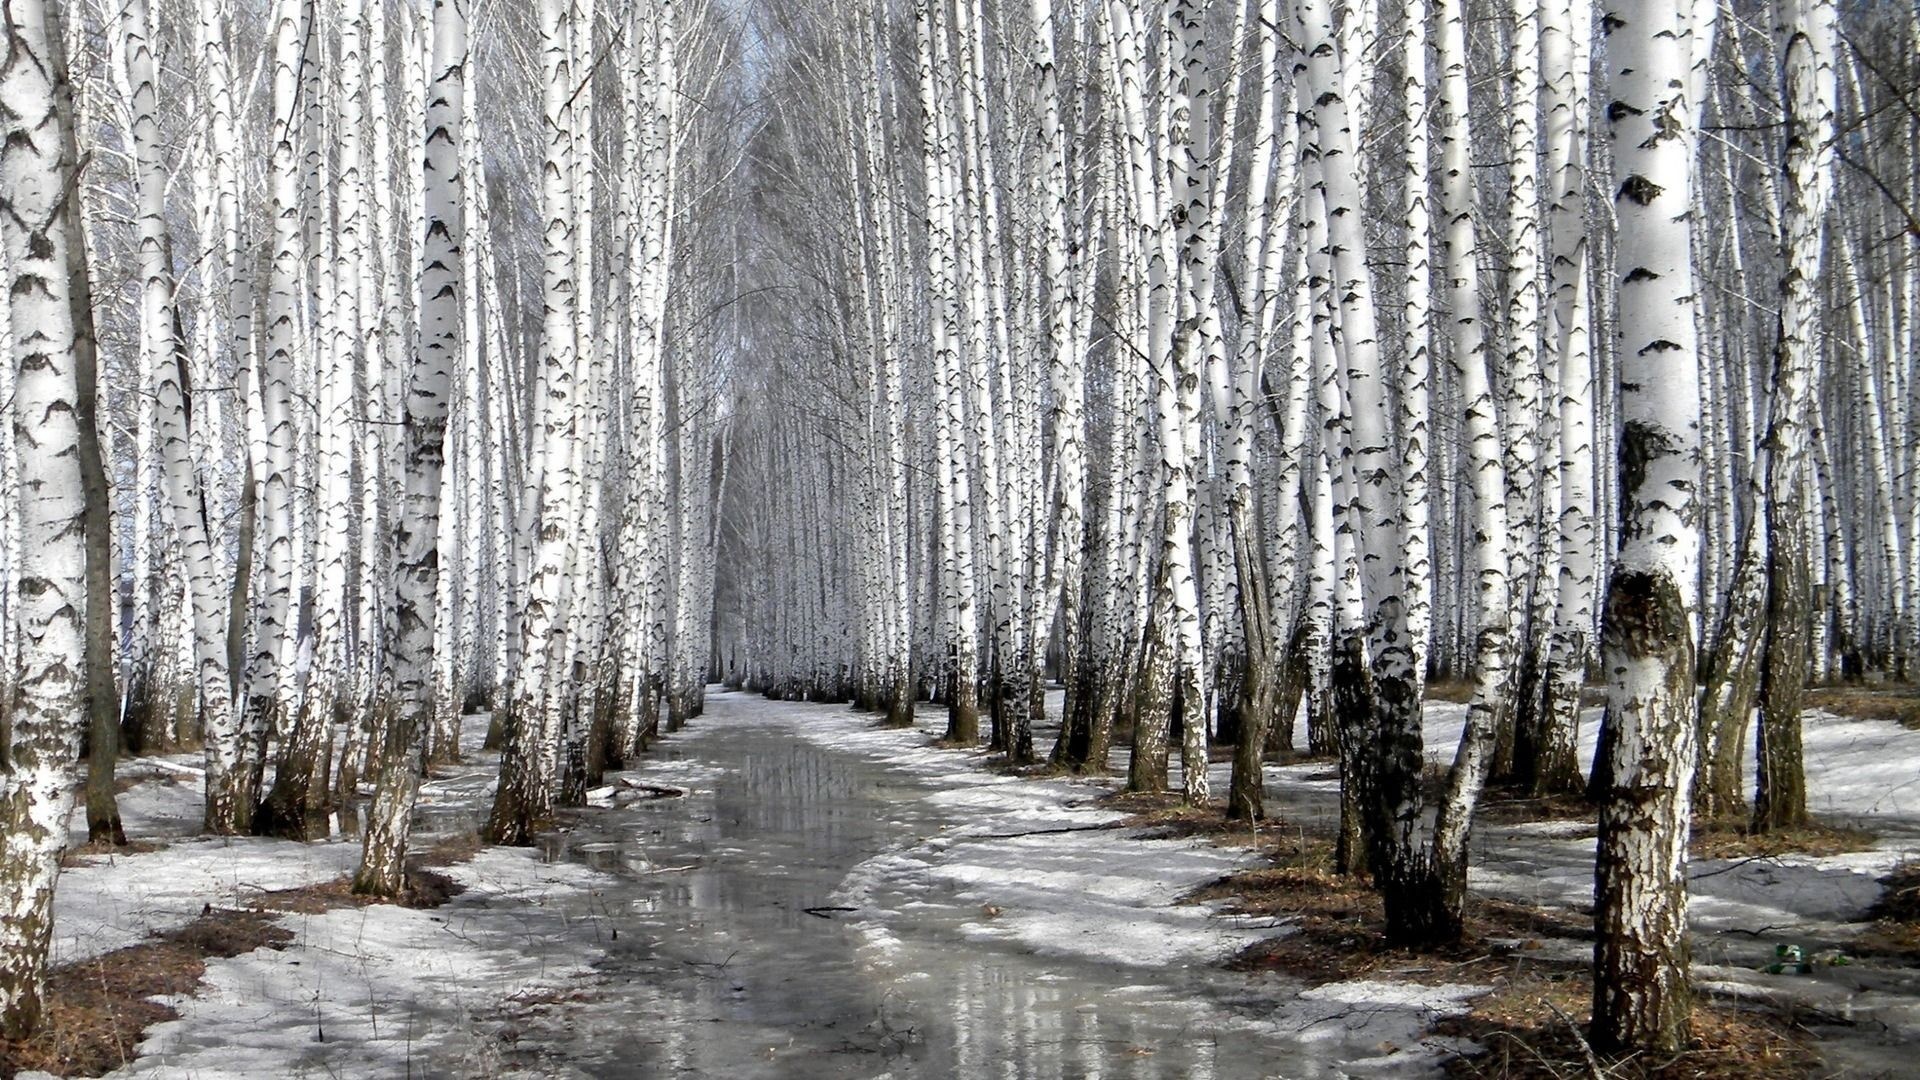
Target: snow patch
388,991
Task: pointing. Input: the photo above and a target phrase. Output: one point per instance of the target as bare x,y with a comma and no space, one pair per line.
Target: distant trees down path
1244,360
1231,365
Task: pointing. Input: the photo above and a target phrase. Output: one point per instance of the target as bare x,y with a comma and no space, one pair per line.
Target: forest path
735,956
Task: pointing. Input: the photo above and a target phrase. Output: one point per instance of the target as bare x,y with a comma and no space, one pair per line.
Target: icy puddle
733,958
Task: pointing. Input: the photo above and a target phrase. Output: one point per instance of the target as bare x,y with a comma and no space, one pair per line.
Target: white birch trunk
52,339
524,801
1647,638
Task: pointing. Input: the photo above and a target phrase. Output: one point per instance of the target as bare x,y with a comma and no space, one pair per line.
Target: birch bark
1647,636
51,337
1805,29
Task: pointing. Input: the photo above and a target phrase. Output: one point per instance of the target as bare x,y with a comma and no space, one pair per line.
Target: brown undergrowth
1895,704
1896,915
1334,926
424,889
1511,806
1735,840
98,1010
1533,1027
80,856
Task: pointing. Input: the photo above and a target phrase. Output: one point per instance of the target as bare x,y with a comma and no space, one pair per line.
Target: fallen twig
1041,832
657,791
1775,859
1593,1062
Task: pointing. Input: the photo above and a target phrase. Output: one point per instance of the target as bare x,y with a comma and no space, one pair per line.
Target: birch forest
1417,500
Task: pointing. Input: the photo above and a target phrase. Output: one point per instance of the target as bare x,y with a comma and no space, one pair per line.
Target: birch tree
442,312
1647,631
1806,32
528,763
233,794
51,331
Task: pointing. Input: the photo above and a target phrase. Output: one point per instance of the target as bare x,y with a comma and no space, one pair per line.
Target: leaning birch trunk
1375,662
1566,48
52,338
334,647
1146,221
1066,368
1640,992
1433,910
382,869
158,348
1416,363
523,802
1521,399
133,48
217,595
954,476
1177,404
1807,30
295,805
1259,684
231,807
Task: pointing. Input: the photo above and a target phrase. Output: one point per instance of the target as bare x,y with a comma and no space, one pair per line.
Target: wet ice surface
971,952
1000,929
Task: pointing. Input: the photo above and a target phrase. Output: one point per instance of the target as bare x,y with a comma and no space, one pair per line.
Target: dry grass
1901,902
424,889
451,849
1166,816
1533,1028
1896,915
1733,840
1453,691
1041,769
1336,927
97,1009
1163,810
1511,807
1336,923
79,856
1533,1022
1899,704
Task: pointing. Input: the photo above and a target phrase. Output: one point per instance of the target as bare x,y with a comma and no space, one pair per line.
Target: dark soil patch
79,856
1335,927
1533,1027
1733,840
1165,815
1896,916
1901,902
97,1009
1453,691
451,849
1899,705
1511,806
424,889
